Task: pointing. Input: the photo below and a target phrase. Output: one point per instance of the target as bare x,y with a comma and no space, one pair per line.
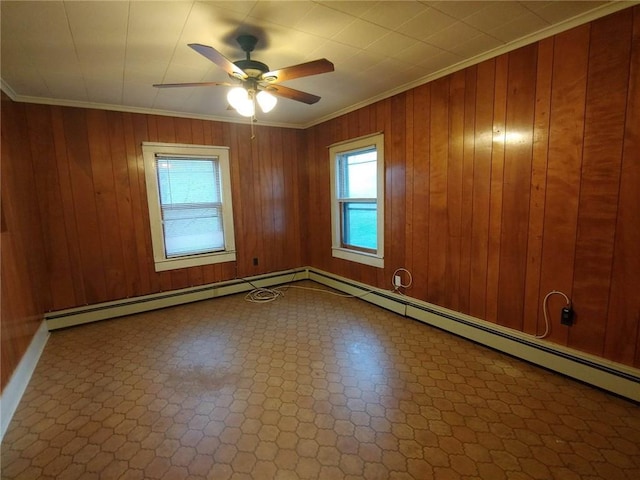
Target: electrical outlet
566,317
397,281
255,261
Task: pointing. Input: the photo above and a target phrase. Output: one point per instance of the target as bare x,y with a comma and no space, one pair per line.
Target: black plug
566,317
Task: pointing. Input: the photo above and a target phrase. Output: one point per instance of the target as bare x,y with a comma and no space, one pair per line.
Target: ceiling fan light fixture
252,78
266,101
247,110
240,99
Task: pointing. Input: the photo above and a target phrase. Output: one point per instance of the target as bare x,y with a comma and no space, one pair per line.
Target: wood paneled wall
23,265
509,179
76,185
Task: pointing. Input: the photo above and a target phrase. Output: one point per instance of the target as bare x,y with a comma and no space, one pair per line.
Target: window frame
338,248
161,261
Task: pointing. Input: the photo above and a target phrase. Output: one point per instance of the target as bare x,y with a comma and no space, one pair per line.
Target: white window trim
162,263
377,259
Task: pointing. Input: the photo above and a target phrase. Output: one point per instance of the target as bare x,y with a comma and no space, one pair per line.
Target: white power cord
399,284
547,328
264,295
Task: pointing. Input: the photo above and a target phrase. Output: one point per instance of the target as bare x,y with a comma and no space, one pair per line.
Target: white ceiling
107,54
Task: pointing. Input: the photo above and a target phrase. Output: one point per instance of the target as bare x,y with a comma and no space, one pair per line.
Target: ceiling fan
256,82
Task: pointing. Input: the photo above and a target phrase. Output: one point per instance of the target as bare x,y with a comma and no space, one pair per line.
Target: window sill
194,261
359,257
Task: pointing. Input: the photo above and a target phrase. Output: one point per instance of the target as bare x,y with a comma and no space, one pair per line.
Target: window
357,197
190,212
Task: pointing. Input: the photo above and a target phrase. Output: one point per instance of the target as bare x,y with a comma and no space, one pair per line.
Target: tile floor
311,386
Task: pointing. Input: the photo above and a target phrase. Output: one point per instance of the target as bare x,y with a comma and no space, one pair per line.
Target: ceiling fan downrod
252,68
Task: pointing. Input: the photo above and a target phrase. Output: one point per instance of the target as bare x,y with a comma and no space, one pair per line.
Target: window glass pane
359,224
357,200
192,230
358,174
184,180
190,205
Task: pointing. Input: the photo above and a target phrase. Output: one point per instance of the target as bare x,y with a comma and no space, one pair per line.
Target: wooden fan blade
196,84
314,67
292,94
219,59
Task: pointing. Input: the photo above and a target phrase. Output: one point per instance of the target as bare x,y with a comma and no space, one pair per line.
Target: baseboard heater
614,377
130,306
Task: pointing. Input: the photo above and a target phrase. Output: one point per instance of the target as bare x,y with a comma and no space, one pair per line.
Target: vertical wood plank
281,207
306,164
421,135
183,130
395,188
68,207
249,235
364,122
312,239
482,187
197,131
220,133
352,124
139,208
563,173
291,150
86,214
466,220
533,322
516,187
455,163
409,177
264,190
110,246
122,193
438,218
497,182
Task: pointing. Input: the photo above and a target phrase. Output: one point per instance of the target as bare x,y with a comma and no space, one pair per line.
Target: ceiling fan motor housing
253,68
